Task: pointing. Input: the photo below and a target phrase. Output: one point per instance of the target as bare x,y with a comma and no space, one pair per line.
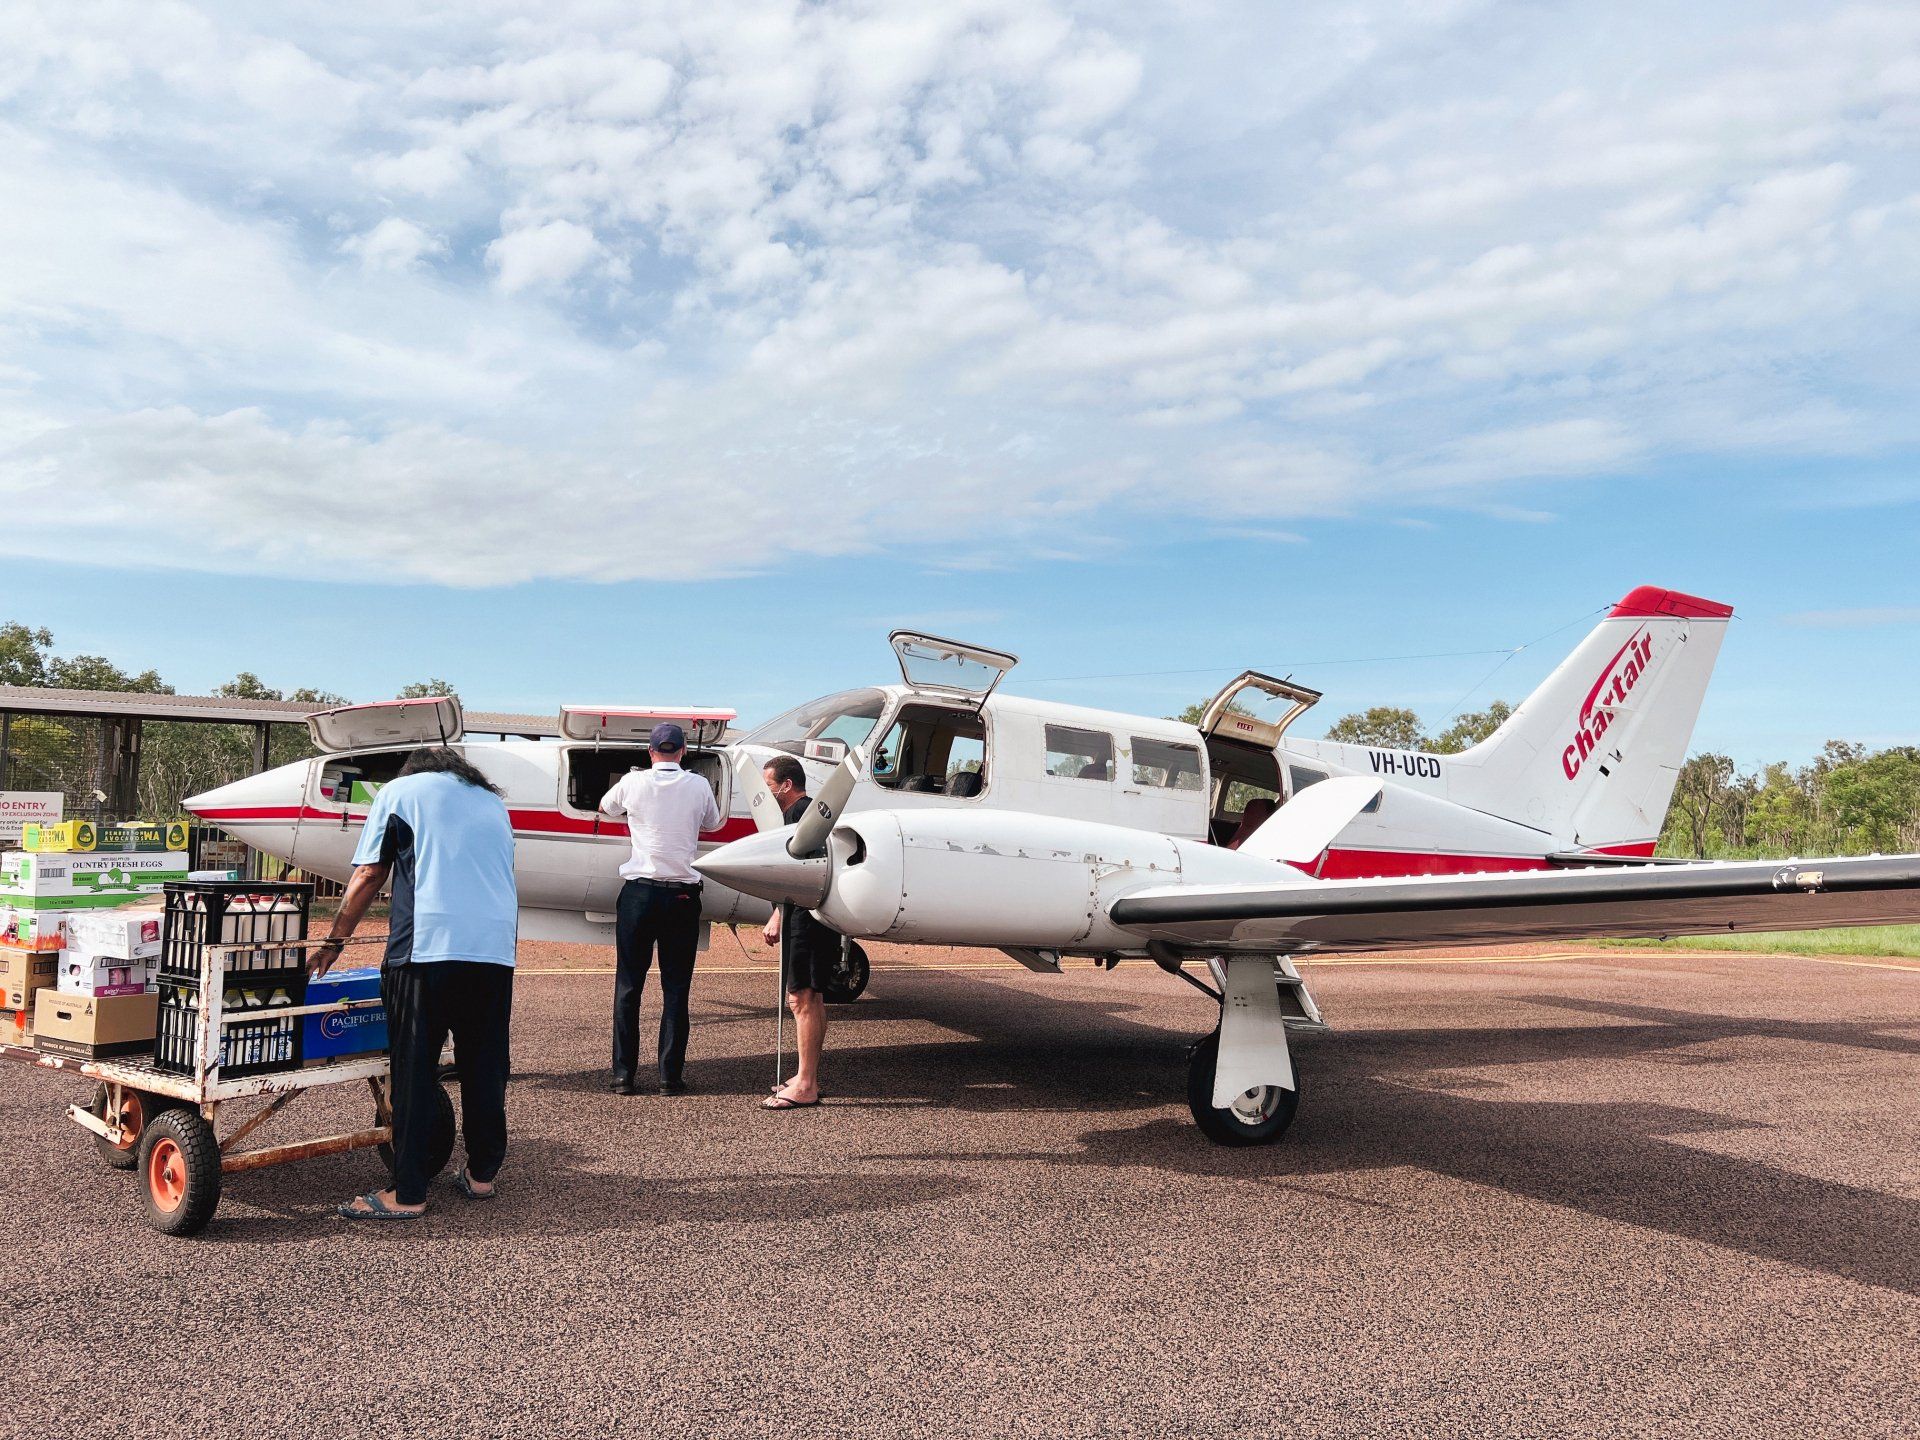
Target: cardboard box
127,934
85,881
94,1025
83,835
345,1032
24,971
16,1027
34,929
84,973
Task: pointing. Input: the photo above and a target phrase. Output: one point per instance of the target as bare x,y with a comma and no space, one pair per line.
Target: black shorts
809,952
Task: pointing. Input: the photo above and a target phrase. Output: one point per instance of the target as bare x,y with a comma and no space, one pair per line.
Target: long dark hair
439,760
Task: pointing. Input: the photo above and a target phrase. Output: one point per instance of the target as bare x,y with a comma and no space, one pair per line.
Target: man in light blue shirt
440,830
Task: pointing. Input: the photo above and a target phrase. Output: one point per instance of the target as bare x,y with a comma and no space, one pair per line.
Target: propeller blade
1299,830
810,835
750,775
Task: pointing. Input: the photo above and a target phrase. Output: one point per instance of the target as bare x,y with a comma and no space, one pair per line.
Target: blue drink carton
344,1032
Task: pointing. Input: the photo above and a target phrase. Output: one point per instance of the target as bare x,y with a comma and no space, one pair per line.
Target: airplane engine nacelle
988,878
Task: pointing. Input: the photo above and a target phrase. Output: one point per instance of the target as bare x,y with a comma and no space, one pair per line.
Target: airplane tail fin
1592,755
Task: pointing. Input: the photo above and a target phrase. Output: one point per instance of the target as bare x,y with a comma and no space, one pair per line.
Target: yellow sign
83,835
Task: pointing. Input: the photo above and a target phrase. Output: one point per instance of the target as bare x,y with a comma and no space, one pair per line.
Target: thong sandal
787,1102
376,1209
463,1182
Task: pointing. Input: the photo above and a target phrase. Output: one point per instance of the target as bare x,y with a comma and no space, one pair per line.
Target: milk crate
255,913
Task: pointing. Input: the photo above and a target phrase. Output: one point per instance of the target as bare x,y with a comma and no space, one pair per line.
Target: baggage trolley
163,1124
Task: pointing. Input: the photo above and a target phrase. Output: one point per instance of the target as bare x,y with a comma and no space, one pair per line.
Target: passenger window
933,751
1166,766
1079,754
1302,777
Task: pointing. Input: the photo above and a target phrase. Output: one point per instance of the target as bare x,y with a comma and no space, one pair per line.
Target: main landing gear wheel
443,1135
850,977
180,1168
137,1110
1258,1116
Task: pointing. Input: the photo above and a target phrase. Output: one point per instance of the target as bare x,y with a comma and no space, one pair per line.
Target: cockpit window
849,716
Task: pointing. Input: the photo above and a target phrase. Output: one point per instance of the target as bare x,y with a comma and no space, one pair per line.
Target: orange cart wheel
180,1171
137,1108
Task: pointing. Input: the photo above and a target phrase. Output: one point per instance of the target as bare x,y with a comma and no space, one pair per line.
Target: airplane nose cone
760,866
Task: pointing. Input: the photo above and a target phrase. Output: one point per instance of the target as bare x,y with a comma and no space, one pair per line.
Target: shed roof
224,710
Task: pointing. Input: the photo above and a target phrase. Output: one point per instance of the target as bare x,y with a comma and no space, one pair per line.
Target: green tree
1470,729
247,686
1387,726
23,654
421,689
306,695
96,672
1699,795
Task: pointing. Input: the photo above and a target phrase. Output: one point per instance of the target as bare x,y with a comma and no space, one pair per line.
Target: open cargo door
951,668
1256,709
430,720
705,725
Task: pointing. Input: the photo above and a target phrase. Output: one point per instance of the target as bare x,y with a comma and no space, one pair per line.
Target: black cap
667,736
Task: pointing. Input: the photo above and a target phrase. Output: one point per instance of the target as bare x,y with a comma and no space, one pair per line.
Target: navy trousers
425,1003
667,917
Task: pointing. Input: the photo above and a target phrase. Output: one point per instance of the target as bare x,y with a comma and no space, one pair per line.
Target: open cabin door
1256,709
429,720
705,725
949,668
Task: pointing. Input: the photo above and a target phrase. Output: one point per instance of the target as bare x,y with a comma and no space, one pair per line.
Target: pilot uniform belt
665,884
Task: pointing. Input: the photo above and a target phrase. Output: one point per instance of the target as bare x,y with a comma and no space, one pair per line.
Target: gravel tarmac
1584,1193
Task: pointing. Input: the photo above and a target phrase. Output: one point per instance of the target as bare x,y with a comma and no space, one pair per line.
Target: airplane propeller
810,835
749,775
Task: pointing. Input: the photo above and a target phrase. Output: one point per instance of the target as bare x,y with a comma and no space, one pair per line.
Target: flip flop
377,1209
463,1182
783,1102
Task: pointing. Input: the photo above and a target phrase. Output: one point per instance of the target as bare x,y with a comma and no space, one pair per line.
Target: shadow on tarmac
1372,1100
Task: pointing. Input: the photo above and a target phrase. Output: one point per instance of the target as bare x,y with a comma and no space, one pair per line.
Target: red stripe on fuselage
525,822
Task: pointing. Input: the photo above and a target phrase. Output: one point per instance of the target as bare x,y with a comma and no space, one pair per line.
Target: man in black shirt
808,954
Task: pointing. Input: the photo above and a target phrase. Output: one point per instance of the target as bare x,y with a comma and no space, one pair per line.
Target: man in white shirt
666,809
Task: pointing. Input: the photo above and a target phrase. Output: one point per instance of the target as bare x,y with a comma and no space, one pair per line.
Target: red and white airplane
1048,830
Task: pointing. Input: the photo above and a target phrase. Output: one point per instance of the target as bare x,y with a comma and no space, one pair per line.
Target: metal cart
163,1124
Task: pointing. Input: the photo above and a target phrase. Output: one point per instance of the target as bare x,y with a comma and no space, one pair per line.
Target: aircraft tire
1259,1117
850,978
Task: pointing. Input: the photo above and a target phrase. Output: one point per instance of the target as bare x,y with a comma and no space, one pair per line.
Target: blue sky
579,353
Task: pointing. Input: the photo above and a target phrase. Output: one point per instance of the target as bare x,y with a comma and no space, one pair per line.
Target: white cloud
393,244
549,254
986,279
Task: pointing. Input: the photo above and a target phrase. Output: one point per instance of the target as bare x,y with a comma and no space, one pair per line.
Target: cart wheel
180,1163
136,1112
443,1135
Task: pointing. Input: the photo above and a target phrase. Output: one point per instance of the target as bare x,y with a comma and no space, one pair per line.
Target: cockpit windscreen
849,716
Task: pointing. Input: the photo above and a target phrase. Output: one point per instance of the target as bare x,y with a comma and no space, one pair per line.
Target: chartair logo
1610,691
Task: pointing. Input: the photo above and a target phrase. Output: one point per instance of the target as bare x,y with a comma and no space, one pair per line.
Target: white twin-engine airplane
949,813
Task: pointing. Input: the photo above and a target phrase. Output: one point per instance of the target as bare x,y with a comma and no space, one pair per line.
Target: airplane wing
1335,916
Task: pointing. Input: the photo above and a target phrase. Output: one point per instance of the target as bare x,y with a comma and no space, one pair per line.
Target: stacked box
23,971
80,880
94,1025
130,934
84,973
126,838
35,929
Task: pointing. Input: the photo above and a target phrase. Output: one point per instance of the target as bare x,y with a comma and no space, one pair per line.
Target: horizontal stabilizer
1336,916
1299,830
